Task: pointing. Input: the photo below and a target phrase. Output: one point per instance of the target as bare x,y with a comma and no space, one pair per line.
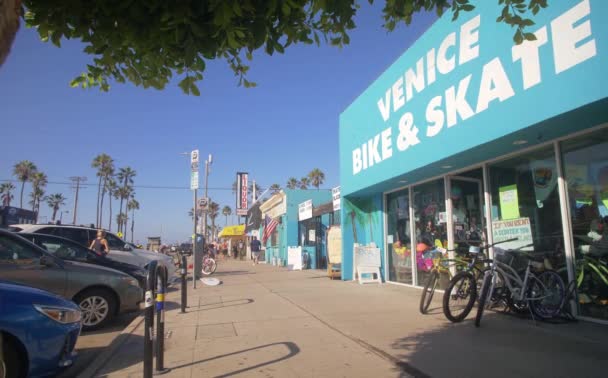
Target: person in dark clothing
100,244
256,247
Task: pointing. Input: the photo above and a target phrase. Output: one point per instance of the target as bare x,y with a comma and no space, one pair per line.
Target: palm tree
35,195
317,177
5,193
132,205
226,211
23,171
123,193
101,162
55,201
107,173
275,188
292,183
212,213
39,181
111,188
120,220
304,182
125,177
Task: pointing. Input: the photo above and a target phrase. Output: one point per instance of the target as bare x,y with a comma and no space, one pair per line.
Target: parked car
67,249
100,292
38,331
119,249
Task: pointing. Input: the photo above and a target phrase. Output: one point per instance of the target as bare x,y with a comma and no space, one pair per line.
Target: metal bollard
161,272
149,319
184,273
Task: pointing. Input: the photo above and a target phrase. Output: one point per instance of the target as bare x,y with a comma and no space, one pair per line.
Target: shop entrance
468,221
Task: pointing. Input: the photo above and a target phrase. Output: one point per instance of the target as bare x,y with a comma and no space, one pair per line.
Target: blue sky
285,127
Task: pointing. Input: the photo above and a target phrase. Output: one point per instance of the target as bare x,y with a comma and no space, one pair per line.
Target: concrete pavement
264,321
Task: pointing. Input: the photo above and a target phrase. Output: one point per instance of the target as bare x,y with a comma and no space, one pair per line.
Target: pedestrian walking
256,247
100,244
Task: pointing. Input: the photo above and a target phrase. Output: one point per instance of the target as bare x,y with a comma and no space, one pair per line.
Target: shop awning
237,230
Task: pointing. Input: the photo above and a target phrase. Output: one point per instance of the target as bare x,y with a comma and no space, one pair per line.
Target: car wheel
12,364
98,307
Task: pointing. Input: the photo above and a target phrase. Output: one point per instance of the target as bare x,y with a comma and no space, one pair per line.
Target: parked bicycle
209,265
461,293
441,264
541,289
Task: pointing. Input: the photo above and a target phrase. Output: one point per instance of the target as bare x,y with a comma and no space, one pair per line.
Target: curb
99,362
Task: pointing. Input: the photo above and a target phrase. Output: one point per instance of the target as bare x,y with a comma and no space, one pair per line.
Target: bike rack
156,283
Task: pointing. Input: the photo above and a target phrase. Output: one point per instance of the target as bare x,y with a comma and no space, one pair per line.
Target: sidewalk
264,321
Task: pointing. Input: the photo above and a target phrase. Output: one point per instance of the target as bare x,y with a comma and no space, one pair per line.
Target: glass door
468,221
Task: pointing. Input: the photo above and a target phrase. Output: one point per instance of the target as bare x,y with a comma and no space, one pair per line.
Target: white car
119,249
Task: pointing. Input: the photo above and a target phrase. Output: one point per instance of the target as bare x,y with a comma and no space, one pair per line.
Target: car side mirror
127,247
46,261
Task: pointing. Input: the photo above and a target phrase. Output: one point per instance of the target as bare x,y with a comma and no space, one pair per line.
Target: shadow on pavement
292,348
502,347
233,273
217,305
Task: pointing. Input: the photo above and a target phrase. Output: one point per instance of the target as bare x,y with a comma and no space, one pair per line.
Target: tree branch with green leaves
150,43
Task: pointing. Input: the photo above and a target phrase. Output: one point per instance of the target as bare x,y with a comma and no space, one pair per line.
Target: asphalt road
90,344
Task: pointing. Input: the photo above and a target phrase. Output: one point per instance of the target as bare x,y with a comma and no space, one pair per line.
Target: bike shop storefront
312,231
512,144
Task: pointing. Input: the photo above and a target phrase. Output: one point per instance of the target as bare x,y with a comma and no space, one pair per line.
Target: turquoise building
284,207
469,137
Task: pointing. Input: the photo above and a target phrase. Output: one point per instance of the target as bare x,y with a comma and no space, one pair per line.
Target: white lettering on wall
565,37
398,100
434,117
387,149
469,40
357,163
529,55
456,102
494,85
430,67
372,150
445,65
385,105
408,132
414,80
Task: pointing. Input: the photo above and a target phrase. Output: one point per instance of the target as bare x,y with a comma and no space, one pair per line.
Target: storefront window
526,206
585,163
398,237
430,219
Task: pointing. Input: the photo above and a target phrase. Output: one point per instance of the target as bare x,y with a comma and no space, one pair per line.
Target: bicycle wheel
459,297
209,266
483,297
546,295
428,291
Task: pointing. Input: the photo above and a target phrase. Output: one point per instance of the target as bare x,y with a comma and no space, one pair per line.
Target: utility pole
77,180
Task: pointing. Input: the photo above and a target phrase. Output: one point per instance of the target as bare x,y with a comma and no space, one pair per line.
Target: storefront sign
335,195
241,193
311,235
305,210
294,258
465,83
509,203
514,228
544,177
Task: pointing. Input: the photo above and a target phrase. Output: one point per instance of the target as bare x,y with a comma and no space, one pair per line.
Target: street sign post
194,155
